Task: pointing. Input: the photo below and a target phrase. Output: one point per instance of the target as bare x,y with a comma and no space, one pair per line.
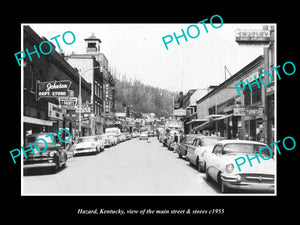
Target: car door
212,163
196,144
198,150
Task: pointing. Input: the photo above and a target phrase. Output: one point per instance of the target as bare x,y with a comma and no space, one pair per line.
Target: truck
113,130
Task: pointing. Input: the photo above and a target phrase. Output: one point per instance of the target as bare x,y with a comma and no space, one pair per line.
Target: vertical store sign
54,111
106,98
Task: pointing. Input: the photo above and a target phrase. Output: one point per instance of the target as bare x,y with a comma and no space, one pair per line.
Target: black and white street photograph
150,109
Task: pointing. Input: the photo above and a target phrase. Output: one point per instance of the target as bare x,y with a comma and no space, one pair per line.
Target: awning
33,120
213,116
223,117
191,105
197,120
205,125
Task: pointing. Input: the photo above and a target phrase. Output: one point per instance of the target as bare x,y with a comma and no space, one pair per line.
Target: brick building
103,84
45,114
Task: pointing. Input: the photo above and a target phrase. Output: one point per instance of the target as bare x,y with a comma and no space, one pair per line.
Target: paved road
134,167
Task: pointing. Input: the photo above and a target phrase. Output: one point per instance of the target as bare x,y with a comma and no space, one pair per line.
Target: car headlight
52,154
238,178
229,168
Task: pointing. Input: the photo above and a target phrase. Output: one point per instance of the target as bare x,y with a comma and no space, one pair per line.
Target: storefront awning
213,116
197,120
205,125
223,117
33,120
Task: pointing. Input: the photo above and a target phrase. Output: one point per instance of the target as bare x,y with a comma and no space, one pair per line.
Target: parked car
183,144
164,139
221,167
128,136
88,144
135,134
113,138
101,141
151,133
143,136
199,147
123,137
107,141
170,139
192,144
53,157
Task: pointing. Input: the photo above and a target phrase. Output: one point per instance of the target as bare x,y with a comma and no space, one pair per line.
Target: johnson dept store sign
52,89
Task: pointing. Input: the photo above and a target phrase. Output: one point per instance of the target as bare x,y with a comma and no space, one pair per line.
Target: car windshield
41,144
87,139
208,141
234,148
190,139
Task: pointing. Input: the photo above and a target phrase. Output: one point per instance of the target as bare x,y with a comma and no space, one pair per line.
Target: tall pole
173,106
79,97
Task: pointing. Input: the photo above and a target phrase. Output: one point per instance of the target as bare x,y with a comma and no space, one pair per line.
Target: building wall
224,98
227,90
46,68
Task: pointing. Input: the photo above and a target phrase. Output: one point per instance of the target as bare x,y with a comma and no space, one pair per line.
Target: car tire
224,189
55,168
208,178
180,155
64,165
202,167
197,164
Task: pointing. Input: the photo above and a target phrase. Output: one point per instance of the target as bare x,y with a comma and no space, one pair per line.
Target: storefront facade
41,113
249,116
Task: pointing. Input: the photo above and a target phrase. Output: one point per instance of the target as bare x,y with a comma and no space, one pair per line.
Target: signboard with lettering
50,89
68,102
54,111
254,112
239,111
85,108
252,36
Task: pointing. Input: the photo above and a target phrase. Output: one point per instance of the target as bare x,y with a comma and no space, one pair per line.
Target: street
134,167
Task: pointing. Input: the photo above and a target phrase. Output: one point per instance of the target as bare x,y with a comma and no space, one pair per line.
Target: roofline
238,74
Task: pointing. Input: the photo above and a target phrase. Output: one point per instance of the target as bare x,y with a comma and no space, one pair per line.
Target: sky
138,51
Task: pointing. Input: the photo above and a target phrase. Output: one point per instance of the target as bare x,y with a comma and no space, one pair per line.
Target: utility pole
79,97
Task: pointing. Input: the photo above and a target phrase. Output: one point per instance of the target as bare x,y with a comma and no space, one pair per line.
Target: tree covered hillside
144,98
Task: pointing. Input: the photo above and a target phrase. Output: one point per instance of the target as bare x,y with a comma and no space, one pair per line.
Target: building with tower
93,66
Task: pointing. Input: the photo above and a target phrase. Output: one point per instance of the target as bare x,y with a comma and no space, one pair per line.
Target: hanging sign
68,102
52,89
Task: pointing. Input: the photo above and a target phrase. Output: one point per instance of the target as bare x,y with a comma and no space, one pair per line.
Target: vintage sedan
143,136
183,144
54,157
107,140
200,145
88,144
221,167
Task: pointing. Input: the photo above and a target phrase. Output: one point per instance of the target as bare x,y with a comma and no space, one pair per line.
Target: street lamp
79,96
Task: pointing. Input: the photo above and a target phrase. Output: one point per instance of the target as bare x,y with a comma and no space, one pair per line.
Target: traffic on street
132,166
93,127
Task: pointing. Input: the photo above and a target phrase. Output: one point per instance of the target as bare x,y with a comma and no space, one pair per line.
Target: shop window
247,97
212,110
256,94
